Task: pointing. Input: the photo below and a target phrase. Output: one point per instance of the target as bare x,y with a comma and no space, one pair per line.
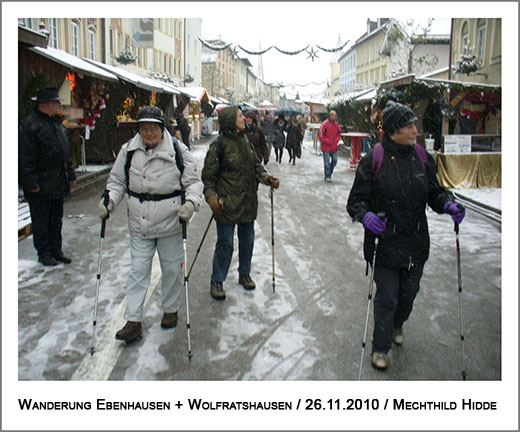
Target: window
169,65
127,43
112,42
91,44
464,38
481,39
119,42
54,36
153,60
497,40
74,31
165,61
159,62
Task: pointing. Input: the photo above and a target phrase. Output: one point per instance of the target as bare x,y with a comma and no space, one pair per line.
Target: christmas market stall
461,119
84,88
196,106
135,91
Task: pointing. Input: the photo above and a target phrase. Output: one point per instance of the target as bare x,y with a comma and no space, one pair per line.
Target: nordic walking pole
272,232
456,229
184,240
370,289
105,197
200,246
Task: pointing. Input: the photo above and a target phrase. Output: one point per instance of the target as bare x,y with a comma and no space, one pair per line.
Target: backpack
379,151
157,197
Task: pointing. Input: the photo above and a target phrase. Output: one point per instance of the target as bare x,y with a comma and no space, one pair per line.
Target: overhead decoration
311,50
333,50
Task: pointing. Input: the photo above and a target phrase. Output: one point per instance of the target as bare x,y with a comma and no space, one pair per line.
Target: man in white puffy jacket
153,182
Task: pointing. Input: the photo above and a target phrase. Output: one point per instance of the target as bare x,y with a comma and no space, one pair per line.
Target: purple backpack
379,151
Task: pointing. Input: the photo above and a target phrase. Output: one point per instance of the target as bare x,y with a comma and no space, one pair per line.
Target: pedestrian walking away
279,128
329,136
46,173
404,184
294,139
267,127
153,169
256,137
183,127
231,175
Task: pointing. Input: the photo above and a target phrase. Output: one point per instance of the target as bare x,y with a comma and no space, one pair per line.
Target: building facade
482,37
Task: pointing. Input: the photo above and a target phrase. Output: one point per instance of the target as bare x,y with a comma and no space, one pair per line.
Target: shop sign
457,143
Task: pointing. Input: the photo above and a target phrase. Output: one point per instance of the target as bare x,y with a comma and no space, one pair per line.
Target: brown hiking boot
169,320
217,290
132,331
246,282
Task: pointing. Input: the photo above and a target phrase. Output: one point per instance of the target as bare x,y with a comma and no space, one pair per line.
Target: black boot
47,259
58,256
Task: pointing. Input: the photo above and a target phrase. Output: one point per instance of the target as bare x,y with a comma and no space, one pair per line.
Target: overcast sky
291,29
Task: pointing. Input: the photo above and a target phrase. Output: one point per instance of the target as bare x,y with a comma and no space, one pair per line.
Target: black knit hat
46,94
395,116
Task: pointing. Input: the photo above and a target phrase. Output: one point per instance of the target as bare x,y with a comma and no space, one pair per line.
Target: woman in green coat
231,175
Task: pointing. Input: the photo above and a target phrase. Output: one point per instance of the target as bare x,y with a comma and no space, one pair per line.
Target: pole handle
106,199
456,227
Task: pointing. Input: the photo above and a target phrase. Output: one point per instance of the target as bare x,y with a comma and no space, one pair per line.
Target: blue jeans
224,249
330,159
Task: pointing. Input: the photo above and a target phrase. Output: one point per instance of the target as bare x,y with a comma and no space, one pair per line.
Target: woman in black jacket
400,184
294,139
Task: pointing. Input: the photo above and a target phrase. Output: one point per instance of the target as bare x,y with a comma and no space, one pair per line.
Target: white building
347,77
192,52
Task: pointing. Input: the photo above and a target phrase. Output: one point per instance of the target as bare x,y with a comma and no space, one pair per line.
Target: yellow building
372,67
482,37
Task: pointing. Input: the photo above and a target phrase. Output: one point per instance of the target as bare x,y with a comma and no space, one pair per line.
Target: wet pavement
310,328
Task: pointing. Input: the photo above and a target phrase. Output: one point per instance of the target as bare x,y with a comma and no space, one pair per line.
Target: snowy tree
401,43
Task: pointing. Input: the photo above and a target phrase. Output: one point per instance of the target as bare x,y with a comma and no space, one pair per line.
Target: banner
142,32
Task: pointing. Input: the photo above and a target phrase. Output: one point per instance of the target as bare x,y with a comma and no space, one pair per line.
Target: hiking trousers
393,302
171,258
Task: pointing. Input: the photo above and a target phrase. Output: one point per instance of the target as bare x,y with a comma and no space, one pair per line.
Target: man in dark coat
231,175
184,128
256,137
401,190
46,173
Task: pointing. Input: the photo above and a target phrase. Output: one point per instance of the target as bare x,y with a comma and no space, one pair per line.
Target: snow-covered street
310,328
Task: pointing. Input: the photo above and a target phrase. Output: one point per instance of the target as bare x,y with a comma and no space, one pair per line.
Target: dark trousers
224,249
393,302
46,219
278,152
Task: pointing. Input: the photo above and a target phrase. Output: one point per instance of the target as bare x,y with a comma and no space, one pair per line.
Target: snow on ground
489,196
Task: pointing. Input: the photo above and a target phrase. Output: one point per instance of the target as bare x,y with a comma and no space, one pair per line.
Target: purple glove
457,211
371,222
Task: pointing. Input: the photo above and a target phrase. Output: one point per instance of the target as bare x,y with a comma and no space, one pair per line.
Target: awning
366,96
196,94
74,63
139,81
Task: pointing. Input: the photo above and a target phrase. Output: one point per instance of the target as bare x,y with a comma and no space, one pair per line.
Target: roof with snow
74,63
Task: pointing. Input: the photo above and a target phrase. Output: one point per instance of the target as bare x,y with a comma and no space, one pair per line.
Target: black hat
395,116
46,94
151,114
